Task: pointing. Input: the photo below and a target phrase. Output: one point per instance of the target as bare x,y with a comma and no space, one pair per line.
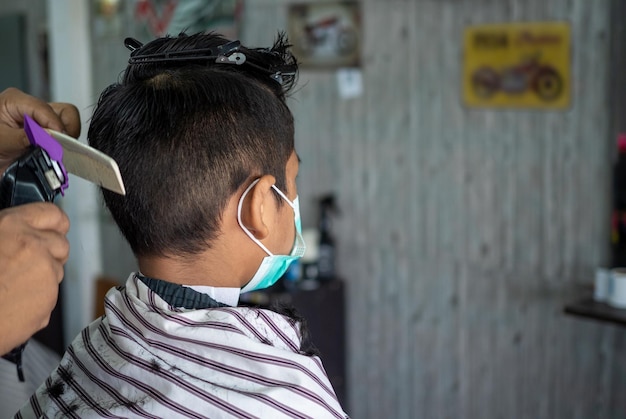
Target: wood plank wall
463,232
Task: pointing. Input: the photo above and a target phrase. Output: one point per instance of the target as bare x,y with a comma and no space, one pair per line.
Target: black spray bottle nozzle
328,204
326,246
327,207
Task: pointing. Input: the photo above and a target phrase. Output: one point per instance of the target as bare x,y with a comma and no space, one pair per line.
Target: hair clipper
34,177
41,174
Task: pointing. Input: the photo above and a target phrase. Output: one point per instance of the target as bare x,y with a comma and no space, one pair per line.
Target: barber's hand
33,250
62,117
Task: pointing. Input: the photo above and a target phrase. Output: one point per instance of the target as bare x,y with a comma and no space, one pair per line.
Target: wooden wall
463,232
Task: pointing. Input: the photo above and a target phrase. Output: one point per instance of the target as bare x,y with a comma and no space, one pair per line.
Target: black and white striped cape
145,358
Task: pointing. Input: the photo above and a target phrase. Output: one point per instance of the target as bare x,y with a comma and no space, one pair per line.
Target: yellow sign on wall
517,65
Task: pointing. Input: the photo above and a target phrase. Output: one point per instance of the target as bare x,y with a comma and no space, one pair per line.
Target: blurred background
467,148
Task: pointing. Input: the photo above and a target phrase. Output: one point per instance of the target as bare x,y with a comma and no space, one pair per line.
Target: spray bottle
618,222
327,245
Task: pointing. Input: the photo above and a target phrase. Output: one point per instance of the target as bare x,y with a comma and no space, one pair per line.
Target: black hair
188,133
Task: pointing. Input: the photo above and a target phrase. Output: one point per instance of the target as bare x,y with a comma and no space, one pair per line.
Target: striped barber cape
145,358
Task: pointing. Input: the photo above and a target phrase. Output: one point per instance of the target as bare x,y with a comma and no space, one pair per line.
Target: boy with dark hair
205,144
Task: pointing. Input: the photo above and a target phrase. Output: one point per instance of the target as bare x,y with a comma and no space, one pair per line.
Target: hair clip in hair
229,54
285,70
277,77
234,58
132,44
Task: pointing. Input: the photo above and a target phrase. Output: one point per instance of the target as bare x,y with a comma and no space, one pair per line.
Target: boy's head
193,121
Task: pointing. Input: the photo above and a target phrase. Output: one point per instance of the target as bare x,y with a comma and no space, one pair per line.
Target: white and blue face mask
273,266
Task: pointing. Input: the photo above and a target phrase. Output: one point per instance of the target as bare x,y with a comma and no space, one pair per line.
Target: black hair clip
132,44
284,70
224,54
228,53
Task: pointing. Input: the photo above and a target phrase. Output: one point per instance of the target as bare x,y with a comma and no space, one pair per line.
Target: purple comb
38,137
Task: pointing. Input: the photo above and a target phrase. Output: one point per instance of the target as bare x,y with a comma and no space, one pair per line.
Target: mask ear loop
245,230
299,246
240,204
291,204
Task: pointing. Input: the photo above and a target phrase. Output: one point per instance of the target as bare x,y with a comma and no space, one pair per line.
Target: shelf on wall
596,310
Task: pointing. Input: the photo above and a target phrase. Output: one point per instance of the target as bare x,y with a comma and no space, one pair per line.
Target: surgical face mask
273,266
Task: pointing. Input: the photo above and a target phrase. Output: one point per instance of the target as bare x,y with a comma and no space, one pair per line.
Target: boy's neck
230,262
190,270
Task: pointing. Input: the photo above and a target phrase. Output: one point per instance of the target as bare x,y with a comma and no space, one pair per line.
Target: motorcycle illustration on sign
527,75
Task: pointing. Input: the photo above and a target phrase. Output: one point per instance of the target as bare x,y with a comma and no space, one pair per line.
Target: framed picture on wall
517,65
325,35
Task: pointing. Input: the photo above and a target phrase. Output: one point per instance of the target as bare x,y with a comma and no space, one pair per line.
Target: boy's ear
258,206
